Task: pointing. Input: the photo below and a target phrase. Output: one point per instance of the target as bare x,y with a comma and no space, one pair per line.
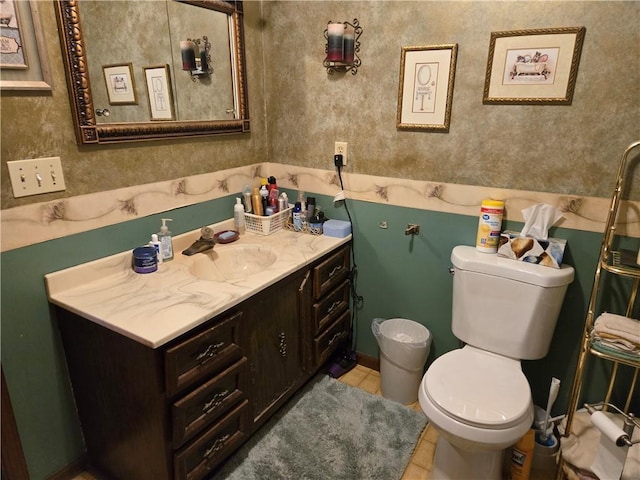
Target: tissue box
336,228
547,252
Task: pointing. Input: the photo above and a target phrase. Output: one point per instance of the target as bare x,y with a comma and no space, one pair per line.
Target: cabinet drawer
330,307
200,457
203,354
196,410
326,344
331,272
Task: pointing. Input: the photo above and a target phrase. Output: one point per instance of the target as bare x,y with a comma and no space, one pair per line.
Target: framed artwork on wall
23,61
158,81
533,66
426,87
121,85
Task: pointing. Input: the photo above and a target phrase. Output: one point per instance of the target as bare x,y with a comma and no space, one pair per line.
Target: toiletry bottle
256,200
522,455
311,207
273,194
166,242
297,217
264,194
247,199
238,217
315,223
303,208
155,243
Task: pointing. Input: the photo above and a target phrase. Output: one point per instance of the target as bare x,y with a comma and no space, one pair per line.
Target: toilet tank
506,306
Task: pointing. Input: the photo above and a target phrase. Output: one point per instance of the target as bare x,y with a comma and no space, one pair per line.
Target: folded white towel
609,325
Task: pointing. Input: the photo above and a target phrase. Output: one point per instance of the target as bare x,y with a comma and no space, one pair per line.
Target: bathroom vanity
172,371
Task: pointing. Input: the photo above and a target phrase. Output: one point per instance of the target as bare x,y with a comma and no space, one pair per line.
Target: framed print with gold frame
426,87
121,85
537,67
158,81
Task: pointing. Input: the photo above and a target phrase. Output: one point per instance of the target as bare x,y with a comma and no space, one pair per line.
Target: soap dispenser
238,217
166,242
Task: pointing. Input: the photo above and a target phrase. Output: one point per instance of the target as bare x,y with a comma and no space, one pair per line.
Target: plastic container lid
465,257
479,388
493,203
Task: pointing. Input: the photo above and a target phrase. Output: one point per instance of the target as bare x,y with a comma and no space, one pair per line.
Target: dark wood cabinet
178,411
273,334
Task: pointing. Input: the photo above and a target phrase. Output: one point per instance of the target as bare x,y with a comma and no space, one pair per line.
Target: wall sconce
196,60
342,47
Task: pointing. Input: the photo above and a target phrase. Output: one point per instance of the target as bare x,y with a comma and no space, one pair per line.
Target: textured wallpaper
564,149
297,110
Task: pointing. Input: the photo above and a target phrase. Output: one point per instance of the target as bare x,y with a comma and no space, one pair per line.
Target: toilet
477,397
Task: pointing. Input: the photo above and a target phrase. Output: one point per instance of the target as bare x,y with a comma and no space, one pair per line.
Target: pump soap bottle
238,217
166,242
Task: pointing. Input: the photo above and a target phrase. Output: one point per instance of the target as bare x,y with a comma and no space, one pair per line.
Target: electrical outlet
35,176
340,148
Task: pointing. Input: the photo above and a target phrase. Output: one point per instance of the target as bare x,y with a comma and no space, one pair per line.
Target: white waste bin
404,348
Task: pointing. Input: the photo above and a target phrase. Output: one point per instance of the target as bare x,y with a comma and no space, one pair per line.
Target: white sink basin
225,262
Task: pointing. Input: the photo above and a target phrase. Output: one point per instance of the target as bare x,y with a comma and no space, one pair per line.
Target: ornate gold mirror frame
74,54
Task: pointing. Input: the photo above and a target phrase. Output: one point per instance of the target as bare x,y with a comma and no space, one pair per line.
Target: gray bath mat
330,431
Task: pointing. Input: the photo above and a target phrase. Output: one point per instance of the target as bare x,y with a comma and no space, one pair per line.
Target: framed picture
23,62
121,85
12,54
159,92
533,66
426,87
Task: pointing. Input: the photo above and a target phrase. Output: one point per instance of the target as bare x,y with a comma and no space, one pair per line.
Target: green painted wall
398,276
408,277
32,356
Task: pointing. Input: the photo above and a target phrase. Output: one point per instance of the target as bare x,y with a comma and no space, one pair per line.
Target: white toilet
477,397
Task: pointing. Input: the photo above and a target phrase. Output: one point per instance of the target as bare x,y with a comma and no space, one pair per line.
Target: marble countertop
157,307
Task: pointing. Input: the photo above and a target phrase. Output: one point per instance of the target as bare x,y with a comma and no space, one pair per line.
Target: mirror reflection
113,37
138,84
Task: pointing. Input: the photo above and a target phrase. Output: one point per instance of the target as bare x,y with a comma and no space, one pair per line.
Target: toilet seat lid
479,388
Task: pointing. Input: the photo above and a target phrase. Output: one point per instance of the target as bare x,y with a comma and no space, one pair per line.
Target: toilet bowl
480,403
477,397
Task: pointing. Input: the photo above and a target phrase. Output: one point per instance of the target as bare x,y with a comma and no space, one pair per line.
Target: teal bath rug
330,431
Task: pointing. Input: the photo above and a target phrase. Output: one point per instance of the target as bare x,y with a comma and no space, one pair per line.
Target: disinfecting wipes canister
489,226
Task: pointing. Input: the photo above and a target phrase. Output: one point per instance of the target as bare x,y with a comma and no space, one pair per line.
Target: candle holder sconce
342,47
196,57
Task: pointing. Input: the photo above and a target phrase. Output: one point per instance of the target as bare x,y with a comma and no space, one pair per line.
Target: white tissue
538,219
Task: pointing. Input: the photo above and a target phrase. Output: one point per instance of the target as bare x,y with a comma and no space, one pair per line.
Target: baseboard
368,361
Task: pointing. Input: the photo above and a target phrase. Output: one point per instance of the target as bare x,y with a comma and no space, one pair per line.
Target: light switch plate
35,176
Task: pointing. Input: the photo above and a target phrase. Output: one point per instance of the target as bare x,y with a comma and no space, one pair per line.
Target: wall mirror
130,77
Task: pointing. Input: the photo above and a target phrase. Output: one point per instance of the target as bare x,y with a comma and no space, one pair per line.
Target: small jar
145,259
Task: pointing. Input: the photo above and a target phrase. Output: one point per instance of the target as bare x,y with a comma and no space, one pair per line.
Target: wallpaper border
39,222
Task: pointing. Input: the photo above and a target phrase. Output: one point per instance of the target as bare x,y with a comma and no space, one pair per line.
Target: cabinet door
273,321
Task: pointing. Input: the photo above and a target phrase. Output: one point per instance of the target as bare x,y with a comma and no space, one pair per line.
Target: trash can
404,348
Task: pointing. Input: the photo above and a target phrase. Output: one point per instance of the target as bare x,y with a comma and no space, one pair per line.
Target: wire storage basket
266,225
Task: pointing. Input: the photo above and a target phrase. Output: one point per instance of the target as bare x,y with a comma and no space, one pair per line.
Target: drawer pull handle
217,446
335,271
334,306
336,336
211,350
215,401
283,345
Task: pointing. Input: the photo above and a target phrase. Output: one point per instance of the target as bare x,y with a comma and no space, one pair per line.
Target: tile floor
422,458
369,380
